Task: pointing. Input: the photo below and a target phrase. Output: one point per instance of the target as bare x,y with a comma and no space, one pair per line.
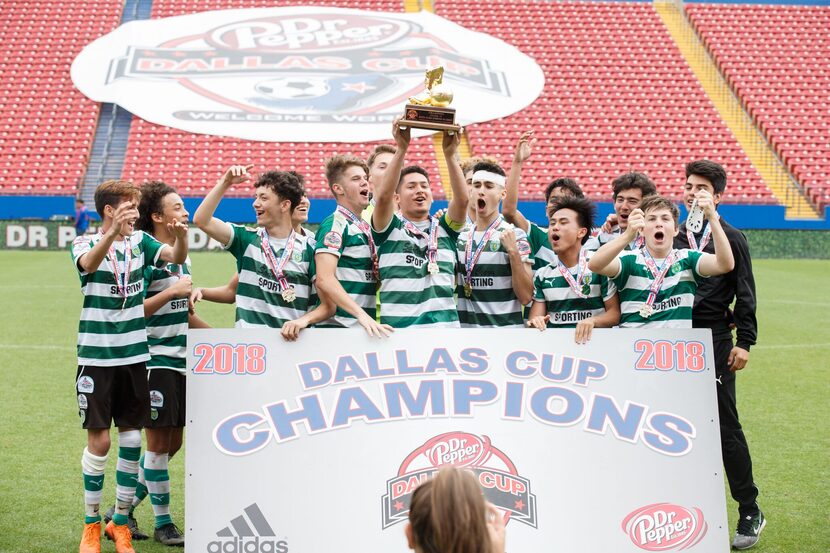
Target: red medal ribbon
470,257
277,266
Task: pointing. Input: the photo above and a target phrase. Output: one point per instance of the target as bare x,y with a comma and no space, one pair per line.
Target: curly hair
152,194
287,185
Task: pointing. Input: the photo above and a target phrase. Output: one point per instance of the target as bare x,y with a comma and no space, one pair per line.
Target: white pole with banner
316,446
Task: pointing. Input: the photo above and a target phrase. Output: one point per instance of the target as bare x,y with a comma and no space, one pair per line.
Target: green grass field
783,398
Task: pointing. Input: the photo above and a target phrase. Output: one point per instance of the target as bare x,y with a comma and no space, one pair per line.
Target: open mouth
481,203
259,213
659,235
365,193
554,237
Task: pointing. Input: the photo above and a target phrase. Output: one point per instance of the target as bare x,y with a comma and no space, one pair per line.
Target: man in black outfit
711,310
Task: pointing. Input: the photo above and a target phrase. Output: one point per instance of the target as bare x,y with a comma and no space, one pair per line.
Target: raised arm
457,208
178,253
204,219
605,260
510,203
522,274
91,260
385,193
722,261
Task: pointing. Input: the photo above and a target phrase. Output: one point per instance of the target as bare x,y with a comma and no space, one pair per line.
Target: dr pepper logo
665,527
494,470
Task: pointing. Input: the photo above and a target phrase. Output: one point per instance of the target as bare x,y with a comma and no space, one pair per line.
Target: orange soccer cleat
91,538
122,537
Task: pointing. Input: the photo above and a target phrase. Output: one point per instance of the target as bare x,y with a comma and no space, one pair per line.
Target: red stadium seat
609,105
48,126
777,60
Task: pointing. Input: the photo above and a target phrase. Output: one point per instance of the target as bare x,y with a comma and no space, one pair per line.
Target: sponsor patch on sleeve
524,247
333,240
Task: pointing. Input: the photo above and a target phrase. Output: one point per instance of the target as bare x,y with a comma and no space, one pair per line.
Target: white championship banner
316,446
300,74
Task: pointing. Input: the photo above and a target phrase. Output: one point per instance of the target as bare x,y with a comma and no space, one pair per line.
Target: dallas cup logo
665,527
294,74
494,470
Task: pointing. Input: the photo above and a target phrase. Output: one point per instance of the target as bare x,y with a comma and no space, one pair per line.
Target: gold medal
468,289
646,311
432,268
289,295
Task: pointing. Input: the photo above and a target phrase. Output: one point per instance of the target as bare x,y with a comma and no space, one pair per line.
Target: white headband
487,176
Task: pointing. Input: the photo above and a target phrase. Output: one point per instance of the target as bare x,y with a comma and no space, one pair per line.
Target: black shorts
167,398
113,394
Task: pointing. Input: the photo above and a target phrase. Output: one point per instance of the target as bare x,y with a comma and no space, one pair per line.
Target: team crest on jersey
297,257
136,251
156,398
494,245
494,470
299,73
675,268
332,240
86,385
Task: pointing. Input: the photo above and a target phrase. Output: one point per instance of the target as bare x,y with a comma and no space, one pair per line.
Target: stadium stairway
109,147
749,136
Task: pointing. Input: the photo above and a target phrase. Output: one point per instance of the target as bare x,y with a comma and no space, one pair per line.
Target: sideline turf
782,398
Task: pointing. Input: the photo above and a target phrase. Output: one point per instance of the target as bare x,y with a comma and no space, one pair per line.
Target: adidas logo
248,535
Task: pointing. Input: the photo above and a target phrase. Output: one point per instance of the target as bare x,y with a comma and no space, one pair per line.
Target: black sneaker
749,531
169,535
132,524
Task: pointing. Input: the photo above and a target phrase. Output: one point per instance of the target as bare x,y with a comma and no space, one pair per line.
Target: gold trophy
429,110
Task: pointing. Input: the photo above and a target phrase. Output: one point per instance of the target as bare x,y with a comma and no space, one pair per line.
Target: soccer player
567,295
657,283
274,262
629,190
467,168
494,258
166,310
346,254
712,310
559,188
416,252
227,292
111,383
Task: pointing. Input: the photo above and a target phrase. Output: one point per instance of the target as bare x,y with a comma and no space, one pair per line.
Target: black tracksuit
711,310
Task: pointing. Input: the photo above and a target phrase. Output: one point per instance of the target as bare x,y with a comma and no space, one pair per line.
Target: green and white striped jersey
112,330
409,295
540,248
343,238
565,307
674,302
259,301
492,302
167,327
